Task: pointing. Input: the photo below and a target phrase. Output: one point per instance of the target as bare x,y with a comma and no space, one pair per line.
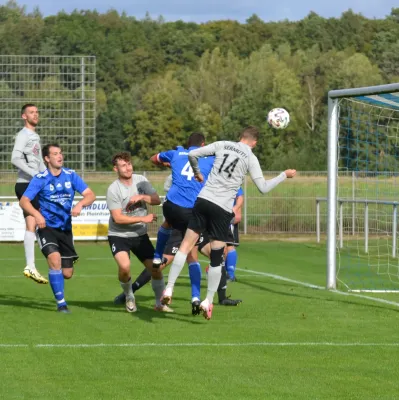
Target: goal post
363,147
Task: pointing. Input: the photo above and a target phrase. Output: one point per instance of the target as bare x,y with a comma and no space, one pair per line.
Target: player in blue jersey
55,188
180,199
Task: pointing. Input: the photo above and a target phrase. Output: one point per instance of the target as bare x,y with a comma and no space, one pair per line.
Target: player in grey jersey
213,210
27,157
127,200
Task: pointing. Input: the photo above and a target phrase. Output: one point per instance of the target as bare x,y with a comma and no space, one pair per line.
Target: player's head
52,156
122,164
250,136
196,139
30,115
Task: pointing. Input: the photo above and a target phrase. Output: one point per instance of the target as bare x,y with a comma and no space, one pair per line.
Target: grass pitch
289,339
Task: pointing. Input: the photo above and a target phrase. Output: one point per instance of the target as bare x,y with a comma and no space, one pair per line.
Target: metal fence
64,90
290,208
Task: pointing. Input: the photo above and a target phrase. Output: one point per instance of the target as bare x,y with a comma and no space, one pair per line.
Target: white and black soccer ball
278,118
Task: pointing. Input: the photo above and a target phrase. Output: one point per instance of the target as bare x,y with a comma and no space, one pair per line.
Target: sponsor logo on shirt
51,187
59,186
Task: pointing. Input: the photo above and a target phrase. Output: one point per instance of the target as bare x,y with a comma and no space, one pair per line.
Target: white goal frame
334,96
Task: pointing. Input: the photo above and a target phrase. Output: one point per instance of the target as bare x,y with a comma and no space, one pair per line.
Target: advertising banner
92,223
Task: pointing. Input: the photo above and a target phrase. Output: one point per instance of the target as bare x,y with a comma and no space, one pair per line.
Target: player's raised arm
204,151
266,185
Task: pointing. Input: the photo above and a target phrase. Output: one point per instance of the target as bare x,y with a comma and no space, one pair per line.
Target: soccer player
27,157
127,199
233,240
213,209
180,198
55,188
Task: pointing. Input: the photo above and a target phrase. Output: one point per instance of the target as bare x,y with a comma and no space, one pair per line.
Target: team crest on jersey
36,149
51,187
68,185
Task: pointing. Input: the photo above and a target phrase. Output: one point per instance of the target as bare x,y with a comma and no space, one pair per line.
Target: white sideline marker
240,344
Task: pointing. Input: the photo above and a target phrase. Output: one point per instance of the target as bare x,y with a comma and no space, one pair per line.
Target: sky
206,10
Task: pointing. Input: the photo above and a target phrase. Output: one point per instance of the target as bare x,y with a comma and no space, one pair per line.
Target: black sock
222,285
141,280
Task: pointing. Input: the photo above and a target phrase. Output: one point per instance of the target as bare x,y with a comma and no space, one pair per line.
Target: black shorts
20,188
174,242
210,217
233,239
140,246
175,239
176,216
53,240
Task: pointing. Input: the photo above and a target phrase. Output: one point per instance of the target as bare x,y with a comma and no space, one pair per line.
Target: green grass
286,340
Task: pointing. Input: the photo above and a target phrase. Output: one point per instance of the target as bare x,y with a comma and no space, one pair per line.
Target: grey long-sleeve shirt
233,160
27,155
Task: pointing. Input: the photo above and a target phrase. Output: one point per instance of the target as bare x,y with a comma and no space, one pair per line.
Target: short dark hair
25,106
196,139
46,149
122,155
250,132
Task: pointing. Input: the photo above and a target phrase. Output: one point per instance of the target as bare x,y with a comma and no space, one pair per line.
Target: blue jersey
240,192
56,194
185,188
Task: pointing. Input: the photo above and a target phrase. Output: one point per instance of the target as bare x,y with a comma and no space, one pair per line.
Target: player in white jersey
213,210
27,157
127,200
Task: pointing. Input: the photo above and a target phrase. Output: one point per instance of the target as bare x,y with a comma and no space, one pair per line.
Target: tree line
158,81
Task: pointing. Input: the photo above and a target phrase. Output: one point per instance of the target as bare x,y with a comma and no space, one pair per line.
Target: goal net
365,123
63,88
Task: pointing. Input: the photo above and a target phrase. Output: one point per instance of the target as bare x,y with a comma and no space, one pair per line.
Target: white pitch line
199,344
311,286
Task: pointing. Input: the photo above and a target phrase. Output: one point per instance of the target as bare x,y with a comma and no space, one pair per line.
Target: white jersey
118,196
27,155
233,160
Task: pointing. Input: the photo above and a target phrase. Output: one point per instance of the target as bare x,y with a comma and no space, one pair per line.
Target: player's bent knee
50,249
217,257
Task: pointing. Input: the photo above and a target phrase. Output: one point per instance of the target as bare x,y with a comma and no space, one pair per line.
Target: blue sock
194,270
231,262
162,239
56,279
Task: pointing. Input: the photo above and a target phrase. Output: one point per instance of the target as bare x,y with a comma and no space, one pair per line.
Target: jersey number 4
229,169
187,171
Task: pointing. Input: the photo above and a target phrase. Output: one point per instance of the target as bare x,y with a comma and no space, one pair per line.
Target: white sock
175,269
158,286
127,288
29,245
214,275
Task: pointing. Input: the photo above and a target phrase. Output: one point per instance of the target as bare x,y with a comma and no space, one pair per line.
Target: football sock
56,279
29,245
214,275
127,288
141,280
194,270
222,285
158,286
231,263
162,239
175,269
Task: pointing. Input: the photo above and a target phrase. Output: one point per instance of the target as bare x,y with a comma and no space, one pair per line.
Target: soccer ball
278,118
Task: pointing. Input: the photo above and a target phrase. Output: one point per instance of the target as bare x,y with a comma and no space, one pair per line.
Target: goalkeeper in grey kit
213,210
27,157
